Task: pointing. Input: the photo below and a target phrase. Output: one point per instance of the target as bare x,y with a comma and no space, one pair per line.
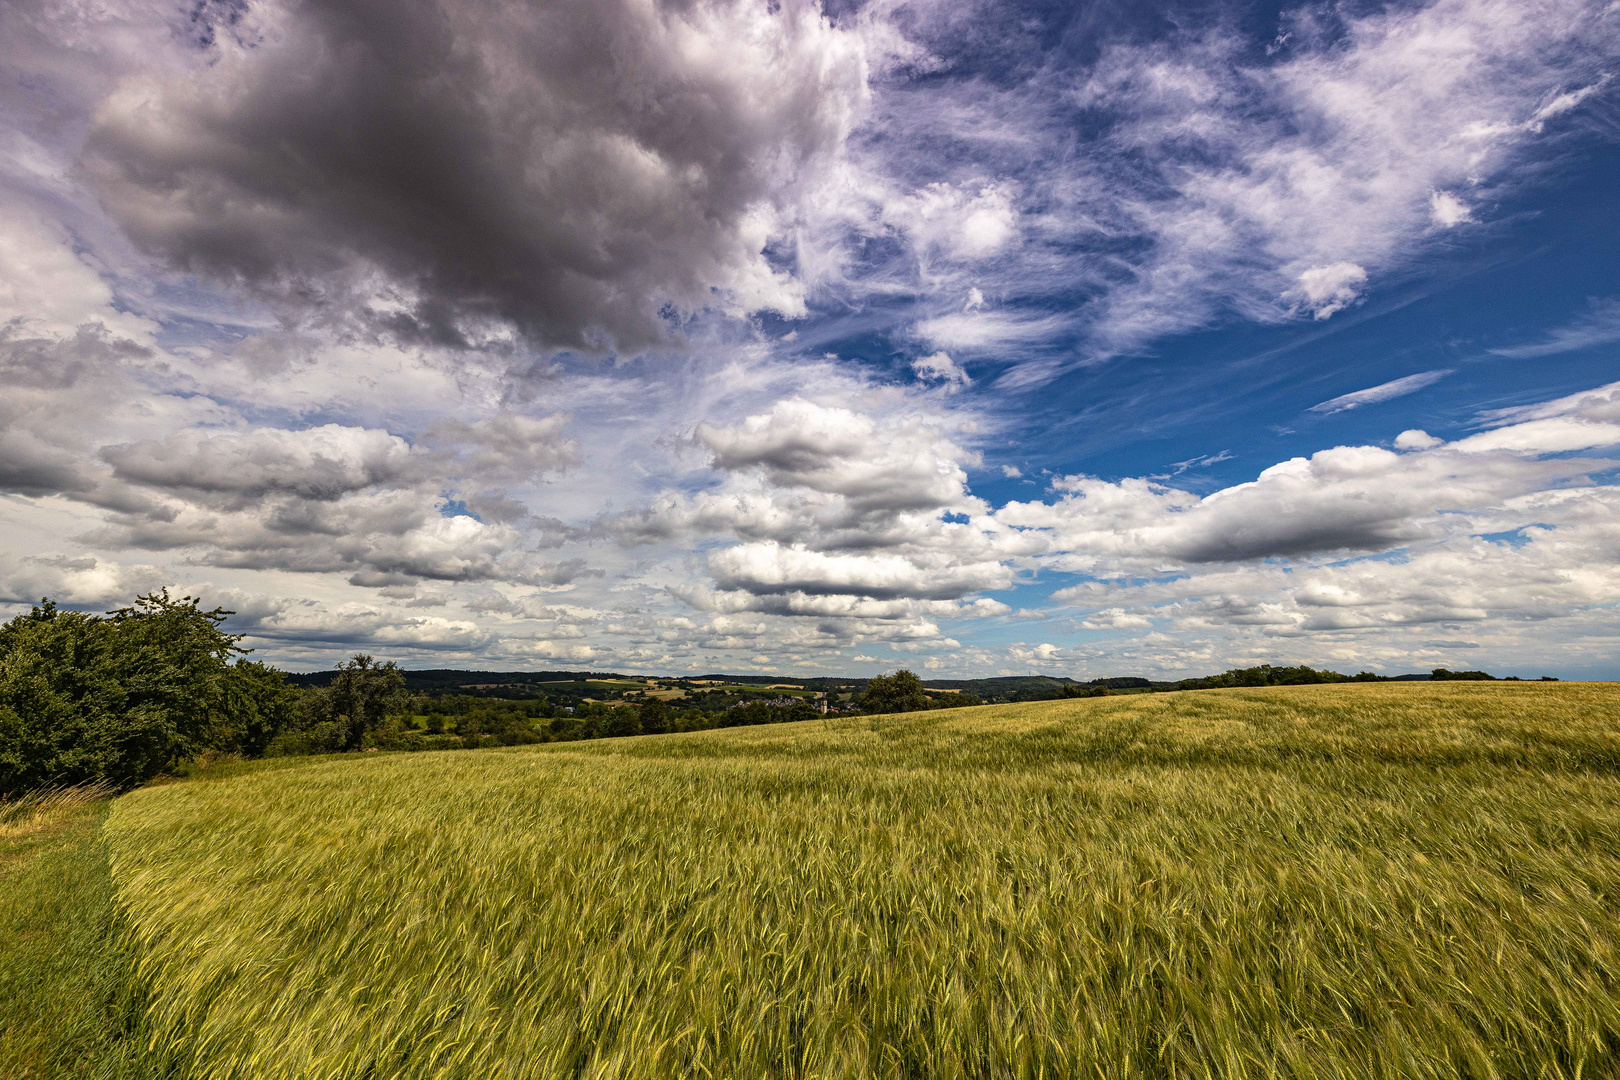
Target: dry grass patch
34,818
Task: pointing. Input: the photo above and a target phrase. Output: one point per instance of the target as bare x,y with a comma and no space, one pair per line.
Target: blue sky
976,338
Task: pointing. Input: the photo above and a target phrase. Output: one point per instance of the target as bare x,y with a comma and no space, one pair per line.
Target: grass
32,823
68,1007
1366,881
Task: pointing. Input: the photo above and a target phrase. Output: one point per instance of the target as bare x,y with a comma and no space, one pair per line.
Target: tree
897,693
654,716
363,694
258,705
120,698
356,703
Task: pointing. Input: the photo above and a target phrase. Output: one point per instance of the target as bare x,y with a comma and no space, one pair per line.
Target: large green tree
900,692
119,698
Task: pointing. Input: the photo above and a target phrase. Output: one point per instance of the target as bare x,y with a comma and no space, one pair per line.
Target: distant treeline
431,679
1267,675
572,687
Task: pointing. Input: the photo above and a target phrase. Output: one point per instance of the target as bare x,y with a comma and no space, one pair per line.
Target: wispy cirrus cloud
1388,391
1600,325
1216,183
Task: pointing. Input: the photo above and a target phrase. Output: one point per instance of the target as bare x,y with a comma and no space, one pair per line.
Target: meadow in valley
1353,881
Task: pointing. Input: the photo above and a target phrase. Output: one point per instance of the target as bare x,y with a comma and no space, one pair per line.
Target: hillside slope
1414,880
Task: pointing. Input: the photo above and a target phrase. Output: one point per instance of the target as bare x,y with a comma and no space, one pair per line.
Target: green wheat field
1368,881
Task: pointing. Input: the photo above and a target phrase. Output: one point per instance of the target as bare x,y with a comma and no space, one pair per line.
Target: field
1413,880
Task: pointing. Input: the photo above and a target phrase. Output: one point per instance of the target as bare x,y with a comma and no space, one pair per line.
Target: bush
322,738
119,698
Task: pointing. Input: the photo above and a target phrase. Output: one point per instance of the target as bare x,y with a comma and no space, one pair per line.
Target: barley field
1351,881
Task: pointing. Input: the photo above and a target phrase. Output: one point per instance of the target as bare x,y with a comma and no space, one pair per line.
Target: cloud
907,464
1324,290
241,265
835,605
1346,499
386,537
772,568
551,650
1212,184
352,625
1395,388
440,172
508,446
332,498
49,290
1553,570
957,222
1448,211
1324,165
939,367
1599,326
77,581
1416,439
321,463
794,551
1200,462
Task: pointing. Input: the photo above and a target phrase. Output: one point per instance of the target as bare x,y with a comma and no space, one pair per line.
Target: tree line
1268,675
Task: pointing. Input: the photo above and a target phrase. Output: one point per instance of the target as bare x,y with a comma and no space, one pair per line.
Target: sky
689,336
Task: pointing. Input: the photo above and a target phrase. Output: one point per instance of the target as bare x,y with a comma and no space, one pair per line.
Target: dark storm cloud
441,171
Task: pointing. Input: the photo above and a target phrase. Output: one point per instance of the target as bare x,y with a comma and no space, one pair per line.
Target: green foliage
1267,675
654,716
119,698
1076,690
258,704
340,716
1396,880
495,729
1442,675
897,693
308,737
758,712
